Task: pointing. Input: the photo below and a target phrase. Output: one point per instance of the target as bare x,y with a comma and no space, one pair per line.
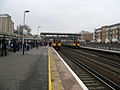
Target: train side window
74,41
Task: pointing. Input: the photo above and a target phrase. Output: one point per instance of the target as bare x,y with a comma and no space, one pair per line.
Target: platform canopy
62,36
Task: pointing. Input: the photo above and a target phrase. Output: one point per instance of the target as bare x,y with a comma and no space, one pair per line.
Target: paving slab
55,76
66,78
24,72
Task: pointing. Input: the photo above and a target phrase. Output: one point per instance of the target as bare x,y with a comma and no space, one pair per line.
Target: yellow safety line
49,70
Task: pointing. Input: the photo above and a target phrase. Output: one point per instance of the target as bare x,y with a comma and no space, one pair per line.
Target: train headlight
59,44
54,44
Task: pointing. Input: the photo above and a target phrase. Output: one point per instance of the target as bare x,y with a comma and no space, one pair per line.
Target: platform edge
49,71
82,85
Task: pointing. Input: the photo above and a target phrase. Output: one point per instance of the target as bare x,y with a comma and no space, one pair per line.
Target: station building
108,34
6,24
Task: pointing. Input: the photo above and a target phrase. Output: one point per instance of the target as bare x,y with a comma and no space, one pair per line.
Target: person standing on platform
4,47
0,43
50,44
14,46
37,44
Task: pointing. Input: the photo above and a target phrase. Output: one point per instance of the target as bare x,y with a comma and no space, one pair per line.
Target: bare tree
26,27
20,29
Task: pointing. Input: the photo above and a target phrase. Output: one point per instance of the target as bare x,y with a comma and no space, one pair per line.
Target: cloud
63,15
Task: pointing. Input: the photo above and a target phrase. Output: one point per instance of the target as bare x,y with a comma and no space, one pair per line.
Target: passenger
37,45
14,46
50,44
27,45
4,47
40,43
0,43
46,43
20,45
11,46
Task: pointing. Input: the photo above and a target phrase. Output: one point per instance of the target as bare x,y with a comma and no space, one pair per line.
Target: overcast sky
63,15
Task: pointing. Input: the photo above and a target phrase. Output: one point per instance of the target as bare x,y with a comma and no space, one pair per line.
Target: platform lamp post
38,30
38,34
27,11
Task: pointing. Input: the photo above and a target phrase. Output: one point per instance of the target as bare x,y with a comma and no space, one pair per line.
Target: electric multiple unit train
56,43
71,43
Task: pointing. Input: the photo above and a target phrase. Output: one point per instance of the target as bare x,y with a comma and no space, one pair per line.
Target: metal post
23,34
23,30
38,36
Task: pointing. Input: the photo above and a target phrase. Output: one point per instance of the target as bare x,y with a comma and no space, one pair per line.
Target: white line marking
75,76
101,49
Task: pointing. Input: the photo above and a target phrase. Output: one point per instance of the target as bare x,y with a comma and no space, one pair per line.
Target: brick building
108,34
6,24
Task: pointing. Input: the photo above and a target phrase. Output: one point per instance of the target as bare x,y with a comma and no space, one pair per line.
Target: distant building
108,34
86,36
6,24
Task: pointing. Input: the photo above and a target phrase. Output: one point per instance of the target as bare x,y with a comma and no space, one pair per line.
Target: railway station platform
62,76
38,69
102,50
25,72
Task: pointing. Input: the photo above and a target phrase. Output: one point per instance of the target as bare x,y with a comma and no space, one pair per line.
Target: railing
110,46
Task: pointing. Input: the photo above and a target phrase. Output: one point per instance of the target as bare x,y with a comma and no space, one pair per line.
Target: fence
109,46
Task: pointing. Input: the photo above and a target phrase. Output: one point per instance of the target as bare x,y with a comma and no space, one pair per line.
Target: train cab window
59,41
53,41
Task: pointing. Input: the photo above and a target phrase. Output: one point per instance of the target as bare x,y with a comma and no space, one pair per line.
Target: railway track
108,65
111,66
103,54
105,62
90,78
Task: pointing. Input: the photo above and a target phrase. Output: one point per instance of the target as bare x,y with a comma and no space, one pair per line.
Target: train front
56,44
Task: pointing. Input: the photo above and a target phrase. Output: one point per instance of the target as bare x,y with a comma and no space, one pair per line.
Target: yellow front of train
56,43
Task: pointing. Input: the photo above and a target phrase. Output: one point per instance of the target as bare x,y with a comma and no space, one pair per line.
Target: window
74,41
106,33
113,31
59,41
116,31
53,41
106,37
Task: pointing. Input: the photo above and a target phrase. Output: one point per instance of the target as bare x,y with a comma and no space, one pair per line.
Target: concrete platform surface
64,79
25,72
55,76
98,49
30,71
